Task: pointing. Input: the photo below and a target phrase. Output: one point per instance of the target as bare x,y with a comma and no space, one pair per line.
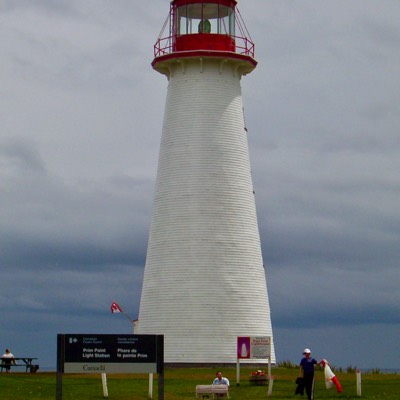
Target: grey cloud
47,6
20,155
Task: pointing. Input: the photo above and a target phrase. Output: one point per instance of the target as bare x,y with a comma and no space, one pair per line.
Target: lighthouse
204,279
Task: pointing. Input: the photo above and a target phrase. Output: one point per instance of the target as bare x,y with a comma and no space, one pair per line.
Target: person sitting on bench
220,380
7,359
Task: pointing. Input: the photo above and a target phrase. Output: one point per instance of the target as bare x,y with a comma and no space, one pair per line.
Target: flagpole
116,308
127,316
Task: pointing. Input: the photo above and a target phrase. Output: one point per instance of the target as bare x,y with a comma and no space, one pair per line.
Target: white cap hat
308,351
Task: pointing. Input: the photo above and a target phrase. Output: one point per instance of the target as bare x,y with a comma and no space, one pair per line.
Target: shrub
287,364
351,370
376,371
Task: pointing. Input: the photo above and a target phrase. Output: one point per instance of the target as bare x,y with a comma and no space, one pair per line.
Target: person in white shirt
220,380
7,359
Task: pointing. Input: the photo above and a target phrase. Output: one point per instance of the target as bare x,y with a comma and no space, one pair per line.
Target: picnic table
27,362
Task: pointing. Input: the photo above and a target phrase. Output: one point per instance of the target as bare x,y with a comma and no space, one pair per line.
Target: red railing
166,46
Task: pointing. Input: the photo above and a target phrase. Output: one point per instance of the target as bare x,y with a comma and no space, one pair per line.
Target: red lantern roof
230,3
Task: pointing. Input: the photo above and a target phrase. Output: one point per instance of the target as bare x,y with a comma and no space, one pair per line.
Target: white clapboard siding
204,281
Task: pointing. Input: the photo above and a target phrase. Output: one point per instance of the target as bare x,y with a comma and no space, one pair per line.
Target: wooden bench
25,362
207,391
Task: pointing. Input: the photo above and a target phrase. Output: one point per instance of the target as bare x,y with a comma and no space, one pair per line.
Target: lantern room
204,25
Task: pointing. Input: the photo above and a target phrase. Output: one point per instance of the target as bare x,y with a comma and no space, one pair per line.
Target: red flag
115,308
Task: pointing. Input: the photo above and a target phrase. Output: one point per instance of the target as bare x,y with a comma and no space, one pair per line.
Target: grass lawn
180,384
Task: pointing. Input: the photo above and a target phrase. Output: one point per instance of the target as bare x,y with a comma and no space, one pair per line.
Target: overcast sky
81,118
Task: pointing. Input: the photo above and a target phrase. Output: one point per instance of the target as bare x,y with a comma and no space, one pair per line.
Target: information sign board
98,353
253,347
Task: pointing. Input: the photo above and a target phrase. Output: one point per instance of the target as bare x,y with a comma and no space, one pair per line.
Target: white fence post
358,378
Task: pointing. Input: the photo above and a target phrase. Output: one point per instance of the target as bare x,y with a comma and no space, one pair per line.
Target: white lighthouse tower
204,281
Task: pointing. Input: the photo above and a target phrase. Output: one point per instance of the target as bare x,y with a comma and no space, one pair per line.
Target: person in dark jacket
306,372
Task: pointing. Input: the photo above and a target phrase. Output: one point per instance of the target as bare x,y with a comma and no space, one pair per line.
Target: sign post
60,366
104,383
103,354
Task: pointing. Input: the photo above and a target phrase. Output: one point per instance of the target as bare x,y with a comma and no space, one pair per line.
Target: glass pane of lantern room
226,24
182,21
210,13
194,15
